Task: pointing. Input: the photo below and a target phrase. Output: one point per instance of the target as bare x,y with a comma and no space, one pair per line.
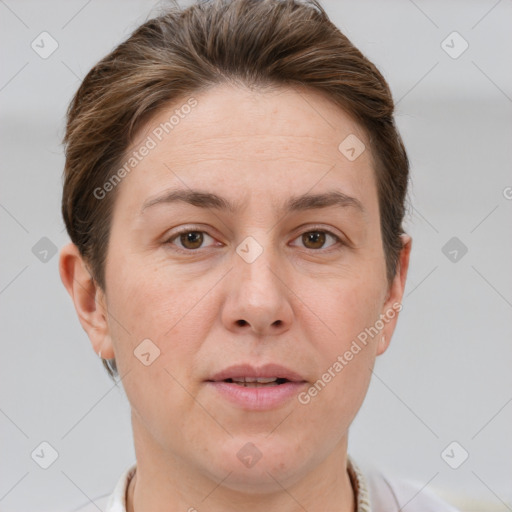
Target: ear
89,299
393,303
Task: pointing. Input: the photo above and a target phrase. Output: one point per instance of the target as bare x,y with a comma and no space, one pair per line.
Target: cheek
347,351
334,399
158,317
164,318
152,300
346,307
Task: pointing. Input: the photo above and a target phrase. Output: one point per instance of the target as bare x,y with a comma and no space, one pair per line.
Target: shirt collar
360,486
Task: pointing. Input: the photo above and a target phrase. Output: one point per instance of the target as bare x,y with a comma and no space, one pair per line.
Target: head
234,191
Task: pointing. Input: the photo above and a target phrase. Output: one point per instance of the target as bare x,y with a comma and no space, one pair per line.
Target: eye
317,238
189,239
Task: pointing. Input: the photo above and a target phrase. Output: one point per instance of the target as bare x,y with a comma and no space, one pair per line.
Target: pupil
315,237
192,239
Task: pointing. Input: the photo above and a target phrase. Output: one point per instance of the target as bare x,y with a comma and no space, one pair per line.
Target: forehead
227,114
276,143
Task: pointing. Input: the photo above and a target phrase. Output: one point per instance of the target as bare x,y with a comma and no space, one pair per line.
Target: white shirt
375,493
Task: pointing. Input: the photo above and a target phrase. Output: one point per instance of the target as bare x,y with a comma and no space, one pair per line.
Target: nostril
241,322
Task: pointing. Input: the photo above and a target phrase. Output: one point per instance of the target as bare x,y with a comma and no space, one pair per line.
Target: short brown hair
265,43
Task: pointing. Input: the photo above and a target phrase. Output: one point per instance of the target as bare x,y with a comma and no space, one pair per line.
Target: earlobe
88,298
393,303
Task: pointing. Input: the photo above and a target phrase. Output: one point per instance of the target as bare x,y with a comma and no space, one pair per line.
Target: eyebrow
294,204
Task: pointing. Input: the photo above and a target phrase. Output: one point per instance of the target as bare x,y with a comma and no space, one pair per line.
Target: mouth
247,375
260,388
255,382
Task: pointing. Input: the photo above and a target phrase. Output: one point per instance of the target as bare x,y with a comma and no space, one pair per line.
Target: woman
234,192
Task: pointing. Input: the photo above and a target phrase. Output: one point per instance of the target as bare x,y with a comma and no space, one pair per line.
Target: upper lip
247,370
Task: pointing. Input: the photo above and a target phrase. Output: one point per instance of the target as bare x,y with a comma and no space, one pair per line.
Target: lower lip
258,398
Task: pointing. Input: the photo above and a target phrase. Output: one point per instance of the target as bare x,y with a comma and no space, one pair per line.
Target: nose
258,299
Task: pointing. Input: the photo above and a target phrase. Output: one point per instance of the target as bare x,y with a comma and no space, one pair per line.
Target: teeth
260,380
255,382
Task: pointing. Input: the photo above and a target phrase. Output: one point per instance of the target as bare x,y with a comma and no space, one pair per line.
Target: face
280,264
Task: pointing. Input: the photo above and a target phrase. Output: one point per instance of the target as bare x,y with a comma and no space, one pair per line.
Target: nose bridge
258,297
256,264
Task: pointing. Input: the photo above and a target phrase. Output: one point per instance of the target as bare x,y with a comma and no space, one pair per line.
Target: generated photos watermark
152,140
343,360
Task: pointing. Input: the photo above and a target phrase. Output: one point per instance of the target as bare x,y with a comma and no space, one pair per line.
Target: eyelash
169,241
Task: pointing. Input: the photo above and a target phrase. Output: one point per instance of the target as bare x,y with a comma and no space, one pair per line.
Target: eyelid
187,229
339,240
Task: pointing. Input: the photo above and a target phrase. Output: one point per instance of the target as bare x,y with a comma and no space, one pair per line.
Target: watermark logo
351,147
454,45
44,455
44,45
249,455
146,352
44,250
454,249
249,249
454,455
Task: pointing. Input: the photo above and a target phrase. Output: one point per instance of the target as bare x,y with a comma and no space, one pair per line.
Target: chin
258,465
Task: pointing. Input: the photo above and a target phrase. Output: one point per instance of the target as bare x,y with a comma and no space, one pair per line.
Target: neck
347,503
163,483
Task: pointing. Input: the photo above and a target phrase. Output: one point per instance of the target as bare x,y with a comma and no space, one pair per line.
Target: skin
303,302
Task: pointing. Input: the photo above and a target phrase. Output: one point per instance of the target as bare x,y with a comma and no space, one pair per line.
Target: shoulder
392,494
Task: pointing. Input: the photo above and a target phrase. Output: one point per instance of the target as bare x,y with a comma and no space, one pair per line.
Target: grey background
447,375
